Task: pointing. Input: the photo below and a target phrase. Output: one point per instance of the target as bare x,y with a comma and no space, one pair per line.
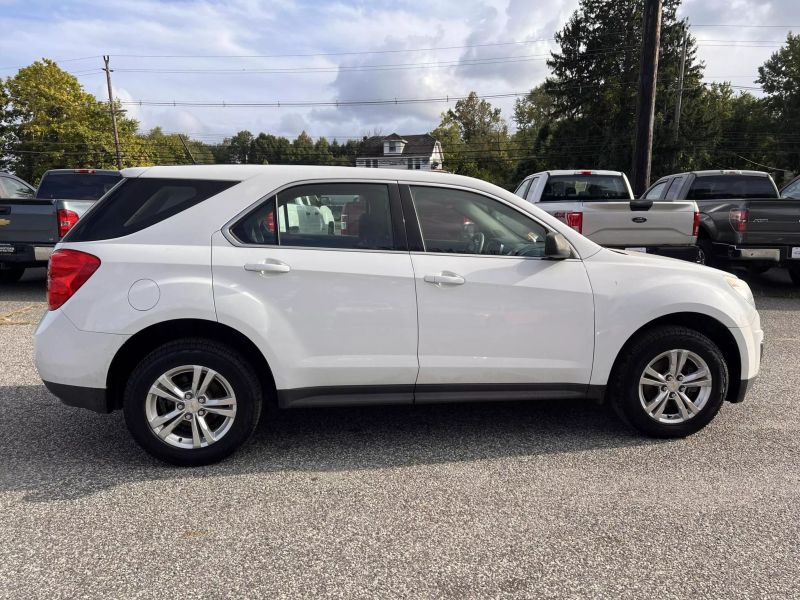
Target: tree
779,77
475,141
47,121
303,150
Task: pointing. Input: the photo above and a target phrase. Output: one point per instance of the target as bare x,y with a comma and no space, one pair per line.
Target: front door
496,319
331,305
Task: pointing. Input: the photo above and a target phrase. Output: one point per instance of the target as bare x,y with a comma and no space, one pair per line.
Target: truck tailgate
31,221
616,224
773,222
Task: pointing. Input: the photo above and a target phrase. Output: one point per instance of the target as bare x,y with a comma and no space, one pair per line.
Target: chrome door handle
445,277
272,266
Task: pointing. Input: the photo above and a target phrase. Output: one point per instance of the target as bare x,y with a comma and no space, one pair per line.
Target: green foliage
47,120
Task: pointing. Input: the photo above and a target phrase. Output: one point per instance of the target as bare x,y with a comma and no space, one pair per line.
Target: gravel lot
537,500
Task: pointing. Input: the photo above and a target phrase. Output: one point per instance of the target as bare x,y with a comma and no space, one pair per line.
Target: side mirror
641,204
556,246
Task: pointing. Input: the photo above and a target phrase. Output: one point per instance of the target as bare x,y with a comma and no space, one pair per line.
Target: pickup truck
30,226
743,219
601,206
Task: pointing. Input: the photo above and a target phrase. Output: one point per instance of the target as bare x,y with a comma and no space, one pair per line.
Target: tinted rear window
720,187
139,203
76,186
568,188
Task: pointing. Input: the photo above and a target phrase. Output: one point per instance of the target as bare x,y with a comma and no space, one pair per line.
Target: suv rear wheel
670,382
192,402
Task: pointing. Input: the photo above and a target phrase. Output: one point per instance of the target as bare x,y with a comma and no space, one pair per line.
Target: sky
281,51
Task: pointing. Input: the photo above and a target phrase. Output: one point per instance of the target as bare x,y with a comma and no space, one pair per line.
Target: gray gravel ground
537,500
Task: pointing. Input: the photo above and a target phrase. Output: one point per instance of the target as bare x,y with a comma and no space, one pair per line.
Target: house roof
416,145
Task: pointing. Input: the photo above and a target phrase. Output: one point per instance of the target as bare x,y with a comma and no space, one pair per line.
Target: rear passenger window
522,190
654,193
136,204
674,188
333,215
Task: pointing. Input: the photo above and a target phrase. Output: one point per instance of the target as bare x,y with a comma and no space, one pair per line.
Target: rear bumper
26,255
95,399
763,254
687,253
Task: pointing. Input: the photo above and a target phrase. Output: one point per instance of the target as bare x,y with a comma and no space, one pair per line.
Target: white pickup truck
601,206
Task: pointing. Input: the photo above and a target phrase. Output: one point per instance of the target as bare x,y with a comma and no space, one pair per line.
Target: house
422,152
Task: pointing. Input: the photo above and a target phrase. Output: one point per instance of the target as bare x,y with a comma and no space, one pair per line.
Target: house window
374,163
417,163
410,163
392,146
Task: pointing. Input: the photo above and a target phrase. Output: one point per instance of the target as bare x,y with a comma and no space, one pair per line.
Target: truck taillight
270,222
66,220
696,224
67,272
738,219
575,220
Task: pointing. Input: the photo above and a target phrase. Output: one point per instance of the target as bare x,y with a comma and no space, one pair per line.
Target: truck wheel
706,252
794,273
670,382
192,402
11,275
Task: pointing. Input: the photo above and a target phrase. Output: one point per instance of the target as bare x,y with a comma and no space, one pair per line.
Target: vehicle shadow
31,288
76,453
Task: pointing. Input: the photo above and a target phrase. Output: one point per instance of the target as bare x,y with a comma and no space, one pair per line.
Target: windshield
76,186
567,188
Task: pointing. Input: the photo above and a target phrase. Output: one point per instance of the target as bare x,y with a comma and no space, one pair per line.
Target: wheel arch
716,331
148,339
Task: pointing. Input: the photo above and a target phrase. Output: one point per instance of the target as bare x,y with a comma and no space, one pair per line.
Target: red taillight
584,172
66,220
696,224
67,272
84,171
738,219
575,220
271,222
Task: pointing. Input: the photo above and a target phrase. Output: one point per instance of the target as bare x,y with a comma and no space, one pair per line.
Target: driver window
455,221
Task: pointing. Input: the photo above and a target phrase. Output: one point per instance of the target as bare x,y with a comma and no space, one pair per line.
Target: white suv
178,300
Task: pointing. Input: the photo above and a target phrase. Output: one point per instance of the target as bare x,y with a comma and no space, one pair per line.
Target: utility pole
106,58
679,102
646,101
185,147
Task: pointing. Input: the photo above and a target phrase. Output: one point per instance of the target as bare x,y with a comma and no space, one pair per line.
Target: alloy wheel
675,386
190,407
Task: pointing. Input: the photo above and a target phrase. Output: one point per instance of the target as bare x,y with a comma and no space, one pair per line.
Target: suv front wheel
192,402
670,382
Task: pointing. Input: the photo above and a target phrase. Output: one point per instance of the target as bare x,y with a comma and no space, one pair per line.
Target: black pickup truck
31,224
743,219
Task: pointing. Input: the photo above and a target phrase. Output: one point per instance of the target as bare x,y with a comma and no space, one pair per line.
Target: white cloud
82,28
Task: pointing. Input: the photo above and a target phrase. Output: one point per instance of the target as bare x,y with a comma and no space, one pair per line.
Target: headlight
741,288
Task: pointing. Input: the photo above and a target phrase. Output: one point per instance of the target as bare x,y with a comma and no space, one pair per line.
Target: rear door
496,320
333,309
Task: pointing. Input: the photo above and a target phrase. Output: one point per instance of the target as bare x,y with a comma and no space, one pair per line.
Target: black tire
11,275
193,351
706,252
624,384
794,273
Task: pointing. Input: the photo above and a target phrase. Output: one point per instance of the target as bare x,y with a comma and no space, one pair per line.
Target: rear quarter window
721,187
140,203
76,186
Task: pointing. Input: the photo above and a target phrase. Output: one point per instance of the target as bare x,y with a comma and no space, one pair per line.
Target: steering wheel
476,243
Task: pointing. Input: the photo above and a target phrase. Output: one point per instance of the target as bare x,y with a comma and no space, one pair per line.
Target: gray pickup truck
33,222
743,219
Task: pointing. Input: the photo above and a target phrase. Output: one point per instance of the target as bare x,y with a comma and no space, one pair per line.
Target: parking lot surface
518,500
